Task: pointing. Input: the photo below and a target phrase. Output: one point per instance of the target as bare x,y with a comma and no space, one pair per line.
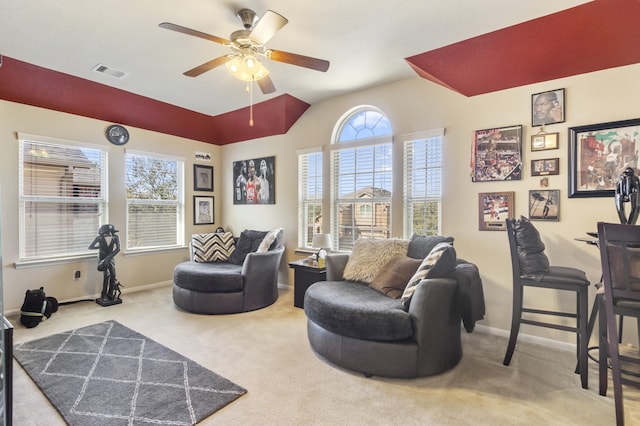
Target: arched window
361,177
356,200
363,123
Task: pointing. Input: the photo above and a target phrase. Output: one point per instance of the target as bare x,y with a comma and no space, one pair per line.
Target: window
362,177
62,197
365,210
309,197
423,183
155,201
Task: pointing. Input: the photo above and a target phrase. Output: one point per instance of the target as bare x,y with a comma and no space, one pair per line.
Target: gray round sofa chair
358,327
242,277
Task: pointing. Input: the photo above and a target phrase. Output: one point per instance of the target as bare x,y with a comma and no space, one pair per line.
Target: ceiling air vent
103,69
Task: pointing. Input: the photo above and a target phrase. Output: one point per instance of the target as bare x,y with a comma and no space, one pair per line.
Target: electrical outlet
77,274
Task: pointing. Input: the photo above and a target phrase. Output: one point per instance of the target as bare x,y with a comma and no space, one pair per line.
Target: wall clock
117,134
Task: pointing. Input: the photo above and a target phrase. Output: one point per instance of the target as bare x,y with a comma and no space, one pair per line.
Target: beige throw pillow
395,275
369,255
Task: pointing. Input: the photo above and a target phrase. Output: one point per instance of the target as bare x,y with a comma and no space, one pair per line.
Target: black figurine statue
108,242
627,192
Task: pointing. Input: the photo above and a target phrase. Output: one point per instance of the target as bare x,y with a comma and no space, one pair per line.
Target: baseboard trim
543,341
125,291
147,287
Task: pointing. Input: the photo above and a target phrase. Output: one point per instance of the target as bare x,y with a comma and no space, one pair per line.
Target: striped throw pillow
215,247
439,262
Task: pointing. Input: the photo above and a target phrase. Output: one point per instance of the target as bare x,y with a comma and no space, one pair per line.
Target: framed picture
203,213
545,166
202,178
547,107
598,154
494,208
544,204
497,154
254,181
544,141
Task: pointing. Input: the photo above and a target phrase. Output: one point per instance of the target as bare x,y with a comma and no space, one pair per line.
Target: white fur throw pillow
369,255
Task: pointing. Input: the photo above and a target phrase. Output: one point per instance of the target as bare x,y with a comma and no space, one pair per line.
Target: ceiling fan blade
268,26
299,60
207,66
189,31
266,85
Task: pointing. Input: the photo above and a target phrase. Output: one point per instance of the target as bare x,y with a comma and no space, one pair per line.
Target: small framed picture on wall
544,141
545,166
494,208
547,107
497,154
544,204
202,178
203,213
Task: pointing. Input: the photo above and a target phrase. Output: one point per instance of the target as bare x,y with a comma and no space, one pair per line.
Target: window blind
362,181
155,206
422,186
62,198
310,193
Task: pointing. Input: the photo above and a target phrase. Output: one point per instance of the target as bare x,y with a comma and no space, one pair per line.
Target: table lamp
321,242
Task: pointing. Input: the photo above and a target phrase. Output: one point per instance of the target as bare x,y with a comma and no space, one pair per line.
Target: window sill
305,251
53,261
142,252
22,264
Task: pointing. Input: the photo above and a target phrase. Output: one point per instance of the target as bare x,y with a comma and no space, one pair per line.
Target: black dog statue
37,307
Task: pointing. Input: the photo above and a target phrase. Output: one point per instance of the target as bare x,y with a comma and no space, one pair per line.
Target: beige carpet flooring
267,352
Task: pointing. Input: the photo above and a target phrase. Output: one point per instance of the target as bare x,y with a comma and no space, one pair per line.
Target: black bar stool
620,258
526,247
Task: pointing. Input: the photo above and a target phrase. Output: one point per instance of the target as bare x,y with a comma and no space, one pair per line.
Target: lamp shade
246,67
321,241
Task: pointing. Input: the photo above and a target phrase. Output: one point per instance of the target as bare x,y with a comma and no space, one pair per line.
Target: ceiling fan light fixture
247,68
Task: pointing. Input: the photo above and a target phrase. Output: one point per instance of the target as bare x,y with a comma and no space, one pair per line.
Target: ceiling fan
247,45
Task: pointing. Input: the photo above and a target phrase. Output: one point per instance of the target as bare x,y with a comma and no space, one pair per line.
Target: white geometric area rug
108,374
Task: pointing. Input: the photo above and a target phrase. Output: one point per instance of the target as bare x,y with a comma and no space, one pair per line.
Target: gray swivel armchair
226,288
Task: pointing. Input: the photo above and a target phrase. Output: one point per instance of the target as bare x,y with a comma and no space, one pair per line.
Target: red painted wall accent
590,37
32,85
273,117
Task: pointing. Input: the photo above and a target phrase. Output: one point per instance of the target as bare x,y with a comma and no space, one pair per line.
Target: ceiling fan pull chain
250,89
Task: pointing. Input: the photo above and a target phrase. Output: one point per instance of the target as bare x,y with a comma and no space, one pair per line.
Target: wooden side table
304,276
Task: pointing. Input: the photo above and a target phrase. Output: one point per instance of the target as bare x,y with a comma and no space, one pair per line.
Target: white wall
412,105
132,270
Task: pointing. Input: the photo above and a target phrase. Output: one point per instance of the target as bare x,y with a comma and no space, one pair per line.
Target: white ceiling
366,41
